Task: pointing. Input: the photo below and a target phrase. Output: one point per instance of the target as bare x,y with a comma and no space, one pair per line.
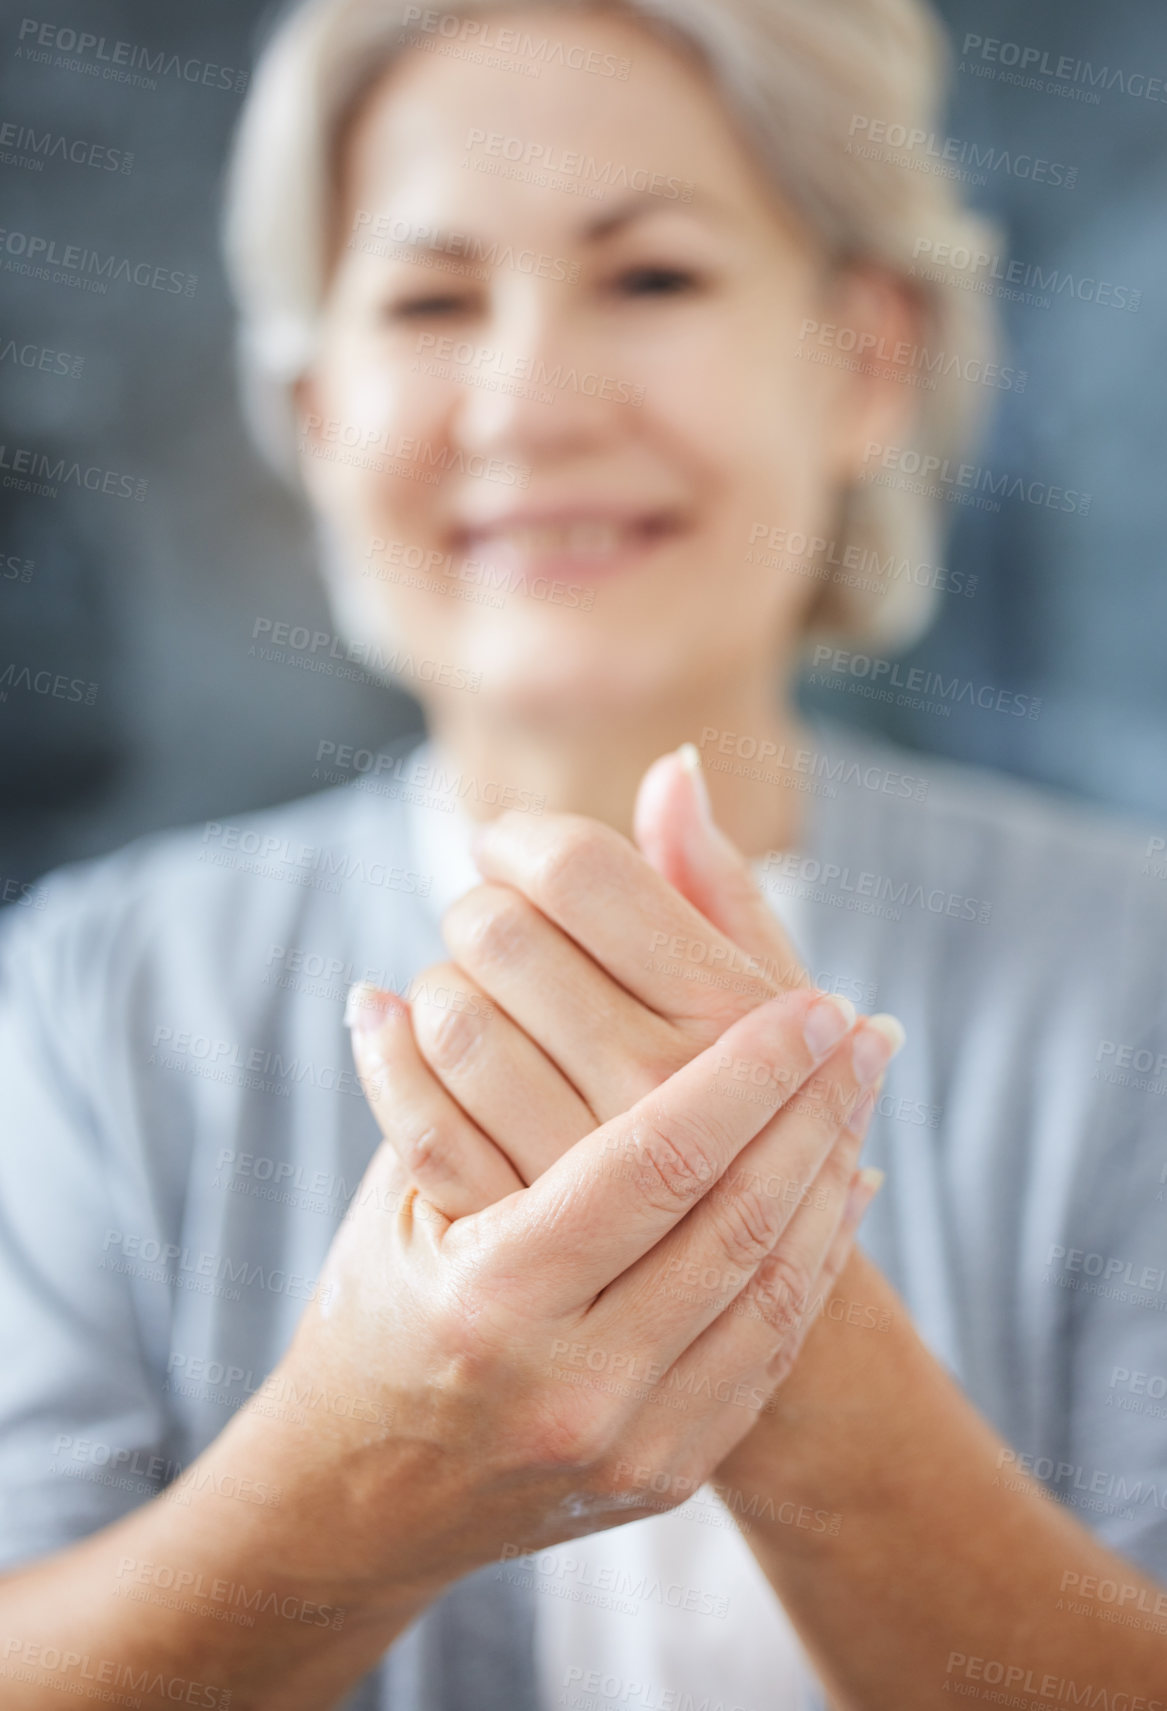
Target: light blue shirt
183,1129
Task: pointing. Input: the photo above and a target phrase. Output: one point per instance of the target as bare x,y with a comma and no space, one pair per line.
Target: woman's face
560,391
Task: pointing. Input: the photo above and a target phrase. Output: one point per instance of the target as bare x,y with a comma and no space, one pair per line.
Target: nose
534,390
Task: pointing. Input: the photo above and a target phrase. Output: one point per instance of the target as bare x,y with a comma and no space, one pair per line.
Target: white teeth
594,538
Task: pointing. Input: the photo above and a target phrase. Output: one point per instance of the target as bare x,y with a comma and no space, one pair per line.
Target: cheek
749,409
382,437
382,399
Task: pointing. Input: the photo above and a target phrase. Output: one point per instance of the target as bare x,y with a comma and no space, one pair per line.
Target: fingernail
366,1007
827,1020
876,1043
865,1185
690,757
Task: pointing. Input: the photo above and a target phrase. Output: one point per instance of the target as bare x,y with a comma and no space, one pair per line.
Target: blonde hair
800,77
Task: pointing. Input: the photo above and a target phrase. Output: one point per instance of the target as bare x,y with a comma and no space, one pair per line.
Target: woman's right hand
519,1360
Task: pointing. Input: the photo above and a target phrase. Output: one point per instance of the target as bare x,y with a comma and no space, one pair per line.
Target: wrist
308,1506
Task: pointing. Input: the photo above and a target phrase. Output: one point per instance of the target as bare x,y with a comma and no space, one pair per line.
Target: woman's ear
884,321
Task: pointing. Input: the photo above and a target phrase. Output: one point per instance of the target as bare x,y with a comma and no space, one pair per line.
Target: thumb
675,830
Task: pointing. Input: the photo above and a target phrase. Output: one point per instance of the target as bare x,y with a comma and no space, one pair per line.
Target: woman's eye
656,281
417,308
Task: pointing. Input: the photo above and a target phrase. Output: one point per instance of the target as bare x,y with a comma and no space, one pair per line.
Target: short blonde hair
800,77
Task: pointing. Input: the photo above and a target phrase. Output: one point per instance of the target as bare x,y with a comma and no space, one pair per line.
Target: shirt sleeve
1115,1479
81,1419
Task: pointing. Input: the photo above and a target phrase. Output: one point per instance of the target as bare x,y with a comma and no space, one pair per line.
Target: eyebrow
640,205
462,245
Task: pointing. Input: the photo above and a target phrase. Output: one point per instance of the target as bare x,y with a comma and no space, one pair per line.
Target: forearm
205,1599
943,1571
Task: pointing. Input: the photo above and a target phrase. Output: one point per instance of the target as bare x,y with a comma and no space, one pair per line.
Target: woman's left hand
573,994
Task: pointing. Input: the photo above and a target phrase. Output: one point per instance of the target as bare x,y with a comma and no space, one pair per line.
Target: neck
593,765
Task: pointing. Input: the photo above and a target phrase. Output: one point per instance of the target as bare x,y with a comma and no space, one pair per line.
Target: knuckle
424,1152
573,1435
490,925
780,1294
676,1161
449,1038
570,860
747,1224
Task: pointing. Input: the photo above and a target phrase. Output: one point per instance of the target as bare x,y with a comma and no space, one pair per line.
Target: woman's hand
582,979
519,1358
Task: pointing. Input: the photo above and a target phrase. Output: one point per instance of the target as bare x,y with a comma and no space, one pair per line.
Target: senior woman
534,303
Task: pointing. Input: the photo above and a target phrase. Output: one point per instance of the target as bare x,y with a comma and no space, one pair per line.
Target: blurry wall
133,601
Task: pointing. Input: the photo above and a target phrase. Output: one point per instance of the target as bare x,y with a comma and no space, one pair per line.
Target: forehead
549,123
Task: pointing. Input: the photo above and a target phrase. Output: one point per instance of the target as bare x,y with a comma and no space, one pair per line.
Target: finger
865,1185
501,1079
609,1046
675,829
745,1354
742,1226
600,890
457,1168
823,1253
617,1193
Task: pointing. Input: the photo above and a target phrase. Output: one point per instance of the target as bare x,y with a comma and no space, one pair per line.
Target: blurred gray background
155,601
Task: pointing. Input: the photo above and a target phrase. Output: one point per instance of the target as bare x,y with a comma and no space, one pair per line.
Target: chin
566,681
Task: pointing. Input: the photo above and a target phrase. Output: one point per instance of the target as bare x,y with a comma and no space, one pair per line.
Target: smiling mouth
575,543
